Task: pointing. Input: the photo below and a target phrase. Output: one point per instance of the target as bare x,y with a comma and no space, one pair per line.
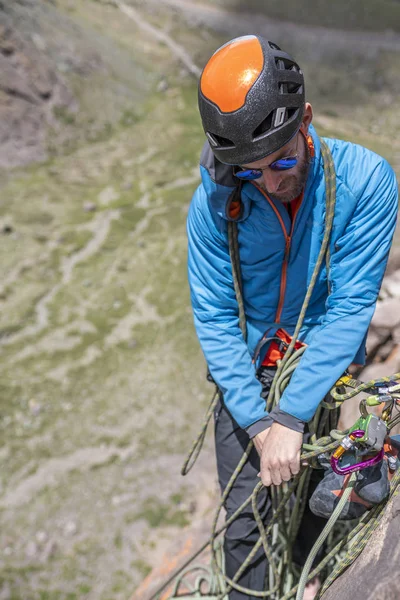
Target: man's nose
271,179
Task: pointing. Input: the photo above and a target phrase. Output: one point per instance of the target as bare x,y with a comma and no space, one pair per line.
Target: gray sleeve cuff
279,416
259,426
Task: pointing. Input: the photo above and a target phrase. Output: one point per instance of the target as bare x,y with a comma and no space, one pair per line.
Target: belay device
366,449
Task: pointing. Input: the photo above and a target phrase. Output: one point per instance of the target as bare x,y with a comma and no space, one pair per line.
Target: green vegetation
89,361
373,15
158,514
141,566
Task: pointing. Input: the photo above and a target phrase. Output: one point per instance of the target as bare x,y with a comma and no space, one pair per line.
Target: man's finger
265,475
295,465
276,477
286,474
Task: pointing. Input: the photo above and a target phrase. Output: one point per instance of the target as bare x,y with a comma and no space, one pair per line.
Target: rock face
374,575
30,89
65,82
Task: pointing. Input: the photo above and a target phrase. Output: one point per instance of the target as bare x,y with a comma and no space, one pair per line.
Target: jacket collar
220,183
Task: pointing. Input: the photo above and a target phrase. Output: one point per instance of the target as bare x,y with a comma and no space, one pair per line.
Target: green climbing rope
277,537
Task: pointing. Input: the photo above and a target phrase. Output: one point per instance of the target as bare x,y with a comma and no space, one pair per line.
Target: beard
293,185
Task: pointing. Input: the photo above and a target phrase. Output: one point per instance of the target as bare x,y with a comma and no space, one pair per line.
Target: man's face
284,185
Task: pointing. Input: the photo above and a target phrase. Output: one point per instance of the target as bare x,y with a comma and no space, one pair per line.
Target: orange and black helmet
251,99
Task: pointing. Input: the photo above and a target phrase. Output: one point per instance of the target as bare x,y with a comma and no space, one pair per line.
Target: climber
261,166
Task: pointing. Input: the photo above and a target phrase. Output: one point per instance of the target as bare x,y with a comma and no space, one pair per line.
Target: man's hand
279,449
259,440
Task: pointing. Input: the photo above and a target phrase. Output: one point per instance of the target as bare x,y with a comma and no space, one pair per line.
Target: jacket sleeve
358,263
216,317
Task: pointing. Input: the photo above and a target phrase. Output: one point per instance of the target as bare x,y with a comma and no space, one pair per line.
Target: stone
41,537
108,196
89,206
391,284
396,335
375,339
373,575
162,85
385,350
387,314
70,528
49,550
35,407
393,288
393,262
31,549
39,41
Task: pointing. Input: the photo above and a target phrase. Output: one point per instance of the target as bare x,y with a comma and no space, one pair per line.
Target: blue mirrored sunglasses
282,164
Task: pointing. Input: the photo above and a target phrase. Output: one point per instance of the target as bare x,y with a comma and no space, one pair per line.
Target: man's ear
307,117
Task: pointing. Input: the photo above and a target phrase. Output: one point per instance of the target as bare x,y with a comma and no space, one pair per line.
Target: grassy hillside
102,379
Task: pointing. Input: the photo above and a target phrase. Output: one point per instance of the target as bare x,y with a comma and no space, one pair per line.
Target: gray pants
231,441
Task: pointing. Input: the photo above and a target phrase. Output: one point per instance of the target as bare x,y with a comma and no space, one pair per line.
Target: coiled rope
285,582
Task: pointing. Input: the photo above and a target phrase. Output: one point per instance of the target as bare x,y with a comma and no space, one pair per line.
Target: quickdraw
369,432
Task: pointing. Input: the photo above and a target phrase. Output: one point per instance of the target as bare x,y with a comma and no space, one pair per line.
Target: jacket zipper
283,279
288,239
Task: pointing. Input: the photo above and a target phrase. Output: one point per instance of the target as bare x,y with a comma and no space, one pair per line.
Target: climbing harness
278,345
367,440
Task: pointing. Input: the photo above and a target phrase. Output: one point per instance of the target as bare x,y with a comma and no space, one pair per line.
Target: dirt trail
100,227
177,49
52,471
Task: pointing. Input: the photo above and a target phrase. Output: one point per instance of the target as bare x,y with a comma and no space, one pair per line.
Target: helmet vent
284,64
263,127
218,140
291,112
273,46
290,88
250,110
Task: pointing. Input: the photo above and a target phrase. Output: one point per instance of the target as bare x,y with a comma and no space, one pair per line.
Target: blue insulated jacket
277,260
